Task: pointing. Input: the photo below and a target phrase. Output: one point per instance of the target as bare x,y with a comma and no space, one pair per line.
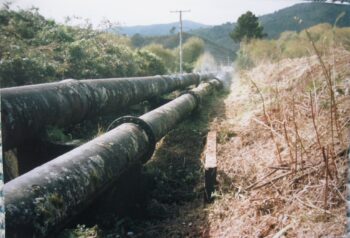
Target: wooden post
210,166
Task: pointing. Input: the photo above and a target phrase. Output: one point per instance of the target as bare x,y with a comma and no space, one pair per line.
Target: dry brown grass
286,168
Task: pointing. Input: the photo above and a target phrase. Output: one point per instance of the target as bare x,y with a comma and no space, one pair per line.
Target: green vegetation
81,231
35,50
193,48
171,42
293,45
247,28
57,135
274,24
311,14
167,55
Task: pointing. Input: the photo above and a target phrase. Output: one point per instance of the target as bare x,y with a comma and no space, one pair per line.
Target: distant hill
282,20
310,13
217,39
159,29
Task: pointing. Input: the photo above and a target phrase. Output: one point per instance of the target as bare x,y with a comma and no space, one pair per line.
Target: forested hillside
283,20
310,13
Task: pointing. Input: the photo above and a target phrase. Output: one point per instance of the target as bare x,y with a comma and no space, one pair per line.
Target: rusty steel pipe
40,202
27,110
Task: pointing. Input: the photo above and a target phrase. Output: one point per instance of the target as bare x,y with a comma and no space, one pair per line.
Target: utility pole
180,13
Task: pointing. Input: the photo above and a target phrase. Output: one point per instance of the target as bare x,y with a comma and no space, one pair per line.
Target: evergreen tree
247,27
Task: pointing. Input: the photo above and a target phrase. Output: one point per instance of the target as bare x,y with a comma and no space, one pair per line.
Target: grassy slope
250,159
246,204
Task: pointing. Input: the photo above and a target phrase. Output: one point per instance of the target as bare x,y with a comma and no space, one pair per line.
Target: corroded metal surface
28,109
41,201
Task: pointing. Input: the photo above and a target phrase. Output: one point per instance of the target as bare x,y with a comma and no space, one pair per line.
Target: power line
180,13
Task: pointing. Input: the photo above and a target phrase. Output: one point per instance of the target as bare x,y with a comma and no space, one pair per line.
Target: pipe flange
196,97
141,124
221,85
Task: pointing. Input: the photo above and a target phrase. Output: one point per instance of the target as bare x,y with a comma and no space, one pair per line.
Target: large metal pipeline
26,110
41,201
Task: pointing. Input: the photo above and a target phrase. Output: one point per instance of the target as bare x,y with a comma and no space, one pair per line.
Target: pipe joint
221,85
143,125
195,95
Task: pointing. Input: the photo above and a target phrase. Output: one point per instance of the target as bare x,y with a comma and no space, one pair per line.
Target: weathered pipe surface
41,201
27,110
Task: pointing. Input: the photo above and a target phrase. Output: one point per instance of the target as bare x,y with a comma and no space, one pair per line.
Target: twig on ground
310,205
272,180
282,231
267,127
252,185
311,171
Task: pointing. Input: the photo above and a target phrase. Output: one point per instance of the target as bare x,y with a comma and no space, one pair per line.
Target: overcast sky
138,12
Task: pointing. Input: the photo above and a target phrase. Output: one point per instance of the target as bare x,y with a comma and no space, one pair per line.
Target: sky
138,12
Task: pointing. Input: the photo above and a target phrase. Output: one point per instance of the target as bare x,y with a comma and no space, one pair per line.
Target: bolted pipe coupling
143,125
216,79
195,95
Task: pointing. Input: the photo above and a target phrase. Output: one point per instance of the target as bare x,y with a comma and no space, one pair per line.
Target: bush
166,55
149,64
192,49
243,60
35,50
293,45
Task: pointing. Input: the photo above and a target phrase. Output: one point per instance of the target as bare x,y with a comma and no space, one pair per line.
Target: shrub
148,63
35,50
293,45
166,55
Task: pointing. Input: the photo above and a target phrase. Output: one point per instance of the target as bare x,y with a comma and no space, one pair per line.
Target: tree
172,30
137,40
167,56
192,49
247,27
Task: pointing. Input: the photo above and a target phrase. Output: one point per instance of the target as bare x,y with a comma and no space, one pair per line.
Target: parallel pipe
27,110
41,201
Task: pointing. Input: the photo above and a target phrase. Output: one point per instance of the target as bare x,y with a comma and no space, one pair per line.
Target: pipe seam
143,125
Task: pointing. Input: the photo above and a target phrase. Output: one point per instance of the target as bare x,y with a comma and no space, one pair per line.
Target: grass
286,164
